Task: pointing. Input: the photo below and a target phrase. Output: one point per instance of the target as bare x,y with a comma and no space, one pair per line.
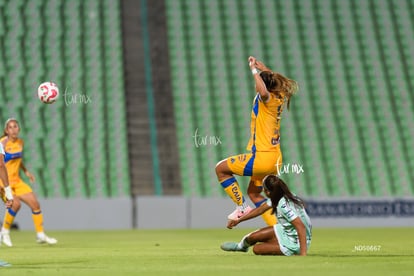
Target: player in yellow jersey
273,92
13,146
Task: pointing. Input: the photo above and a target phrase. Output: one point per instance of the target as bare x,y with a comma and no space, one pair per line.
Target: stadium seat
66,42
339,125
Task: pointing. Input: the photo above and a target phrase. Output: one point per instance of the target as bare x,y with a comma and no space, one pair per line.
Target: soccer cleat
5,238
233,246
4,264
238,213
46,239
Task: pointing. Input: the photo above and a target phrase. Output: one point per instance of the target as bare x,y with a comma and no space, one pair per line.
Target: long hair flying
280,85
278,189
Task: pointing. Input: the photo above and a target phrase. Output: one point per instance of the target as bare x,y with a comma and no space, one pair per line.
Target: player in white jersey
6,191
290,236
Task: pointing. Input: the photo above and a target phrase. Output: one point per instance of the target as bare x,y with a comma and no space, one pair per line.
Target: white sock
243,244
5,231
41,235
243,206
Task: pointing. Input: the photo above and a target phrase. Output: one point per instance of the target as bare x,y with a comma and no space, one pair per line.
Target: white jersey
2,149
286,233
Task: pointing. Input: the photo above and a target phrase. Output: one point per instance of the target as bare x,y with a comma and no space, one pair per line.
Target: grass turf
385,251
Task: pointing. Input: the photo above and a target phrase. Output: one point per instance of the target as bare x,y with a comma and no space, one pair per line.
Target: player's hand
7,196
231,223
9,203
30,176
252,62
260,65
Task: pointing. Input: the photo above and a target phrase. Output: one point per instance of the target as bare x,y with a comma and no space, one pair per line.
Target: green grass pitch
376,251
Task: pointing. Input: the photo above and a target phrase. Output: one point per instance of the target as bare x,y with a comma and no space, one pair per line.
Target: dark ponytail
278,189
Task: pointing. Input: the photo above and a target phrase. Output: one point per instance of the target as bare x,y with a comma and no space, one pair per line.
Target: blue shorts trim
248,170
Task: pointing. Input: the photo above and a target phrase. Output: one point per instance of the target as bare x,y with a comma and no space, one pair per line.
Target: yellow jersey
13,158
265,123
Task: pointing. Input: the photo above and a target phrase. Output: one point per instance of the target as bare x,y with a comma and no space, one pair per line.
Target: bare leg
265,242
223,171
254,192
31,201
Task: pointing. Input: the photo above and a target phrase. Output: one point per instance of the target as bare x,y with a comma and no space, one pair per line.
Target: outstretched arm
254,213
28,174
260,85
261,66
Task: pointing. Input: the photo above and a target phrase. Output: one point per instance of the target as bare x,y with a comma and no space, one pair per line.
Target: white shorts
287,247
286,251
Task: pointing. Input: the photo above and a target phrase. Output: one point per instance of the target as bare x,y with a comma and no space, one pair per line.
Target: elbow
264,96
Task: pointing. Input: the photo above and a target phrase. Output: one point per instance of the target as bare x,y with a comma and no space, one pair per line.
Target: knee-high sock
8,219
232,188
37,217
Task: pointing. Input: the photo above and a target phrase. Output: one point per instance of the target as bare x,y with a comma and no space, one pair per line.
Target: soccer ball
48,92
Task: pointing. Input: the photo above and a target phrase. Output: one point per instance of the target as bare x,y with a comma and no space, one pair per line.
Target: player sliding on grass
290,236
13,146
273,91
5,191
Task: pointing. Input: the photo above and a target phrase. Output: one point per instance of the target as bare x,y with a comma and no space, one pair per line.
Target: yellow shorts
19,187
256,165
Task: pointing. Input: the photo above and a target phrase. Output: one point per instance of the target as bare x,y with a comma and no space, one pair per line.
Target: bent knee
254,190
16,205
222,169
221,164
35,206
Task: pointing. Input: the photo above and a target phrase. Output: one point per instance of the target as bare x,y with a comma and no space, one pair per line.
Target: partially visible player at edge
273,91
5,190
13,146
291,235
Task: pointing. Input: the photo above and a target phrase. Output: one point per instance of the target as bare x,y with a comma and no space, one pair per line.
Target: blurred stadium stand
158,91
76,147
350,126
